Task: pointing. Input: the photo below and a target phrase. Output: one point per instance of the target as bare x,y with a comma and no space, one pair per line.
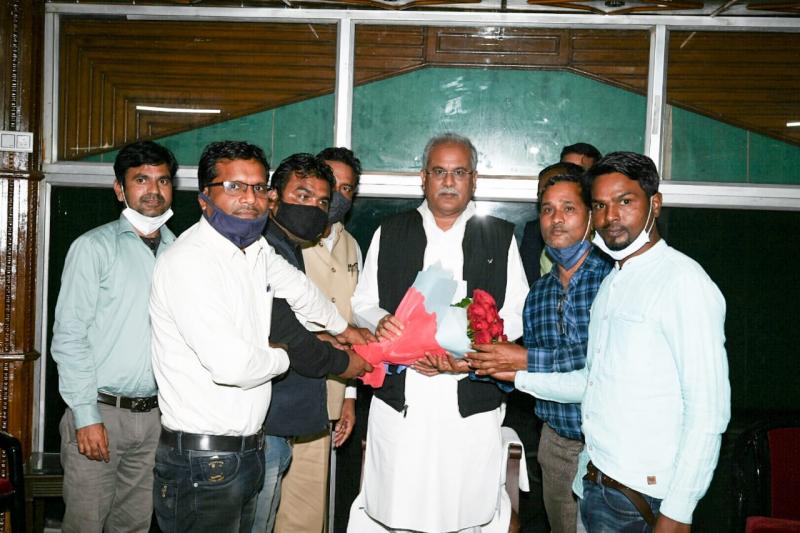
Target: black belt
137,405
596,476
211,443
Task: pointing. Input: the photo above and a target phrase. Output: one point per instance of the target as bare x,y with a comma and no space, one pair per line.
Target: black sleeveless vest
402,248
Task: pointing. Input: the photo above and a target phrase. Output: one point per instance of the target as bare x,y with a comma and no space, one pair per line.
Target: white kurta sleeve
365,301
307,301
516,292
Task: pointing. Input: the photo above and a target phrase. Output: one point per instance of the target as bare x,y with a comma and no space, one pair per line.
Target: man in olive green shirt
101,343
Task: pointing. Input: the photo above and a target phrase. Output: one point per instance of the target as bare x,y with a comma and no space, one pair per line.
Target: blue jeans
606,510
206,491
277,456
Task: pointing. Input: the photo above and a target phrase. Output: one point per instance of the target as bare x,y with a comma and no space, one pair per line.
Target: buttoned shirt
655,389
210,308
556,322
101,333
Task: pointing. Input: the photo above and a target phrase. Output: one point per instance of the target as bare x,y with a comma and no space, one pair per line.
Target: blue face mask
240,231
568,257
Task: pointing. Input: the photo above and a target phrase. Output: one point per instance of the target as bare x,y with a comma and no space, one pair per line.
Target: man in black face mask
299,200
333,264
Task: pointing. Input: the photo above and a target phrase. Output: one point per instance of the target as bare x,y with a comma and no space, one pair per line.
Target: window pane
520,94
732,95
272,84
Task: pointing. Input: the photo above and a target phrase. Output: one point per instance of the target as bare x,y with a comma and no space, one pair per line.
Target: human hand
445,363
424,367
346,423
352,335
330,339
356,367
665,524
389,327
498,357
93,442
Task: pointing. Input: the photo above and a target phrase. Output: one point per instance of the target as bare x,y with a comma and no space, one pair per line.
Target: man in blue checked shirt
556,320
655,396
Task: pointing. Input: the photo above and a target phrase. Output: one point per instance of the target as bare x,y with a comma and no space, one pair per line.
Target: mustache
152,196
448,191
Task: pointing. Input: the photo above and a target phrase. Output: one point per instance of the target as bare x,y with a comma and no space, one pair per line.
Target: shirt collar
650,255
333,236
465,215
222,245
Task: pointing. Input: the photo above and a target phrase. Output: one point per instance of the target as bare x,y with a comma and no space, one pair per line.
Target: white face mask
143,223
637,244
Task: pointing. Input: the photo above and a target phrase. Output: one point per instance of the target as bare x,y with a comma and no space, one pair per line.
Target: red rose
491,314
495,329
483,298
475,312
480,325
482,337
503,338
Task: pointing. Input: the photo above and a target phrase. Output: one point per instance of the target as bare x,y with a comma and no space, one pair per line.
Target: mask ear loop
124,197
588,228
650,210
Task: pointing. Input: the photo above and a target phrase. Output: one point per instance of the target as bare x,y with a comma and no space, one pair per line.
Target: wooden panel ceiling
751,80
108,67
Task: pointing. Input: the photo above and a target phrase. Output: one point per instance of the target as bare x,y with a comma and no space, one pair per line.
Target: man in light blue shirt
655,393
101,343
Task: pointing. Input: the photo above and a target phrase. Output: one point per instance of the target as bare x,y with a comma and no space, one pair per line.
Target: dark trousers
206,491
607,510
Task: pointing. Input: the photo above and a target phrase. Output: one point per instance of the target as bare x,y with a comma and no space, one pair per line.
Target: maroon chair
12,488
768,477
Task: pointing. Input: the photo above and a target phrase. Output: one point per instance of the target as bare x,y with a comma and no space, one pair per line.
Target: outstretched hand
499,357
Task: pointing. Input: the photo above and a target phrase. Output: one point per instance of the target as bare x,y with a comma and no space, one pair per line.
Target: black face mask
340,205
306,222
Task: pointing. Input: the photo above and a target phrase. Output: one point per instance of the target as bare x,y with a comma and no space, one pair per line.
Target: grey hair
450,138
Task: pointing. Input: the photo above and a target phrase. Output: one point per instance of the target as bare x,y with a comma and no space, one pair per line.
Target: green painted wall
518,120
704,149
305,126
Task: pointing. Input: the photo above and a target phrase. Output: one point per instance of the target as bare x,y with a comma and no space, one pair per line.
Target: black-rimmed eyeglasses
239,188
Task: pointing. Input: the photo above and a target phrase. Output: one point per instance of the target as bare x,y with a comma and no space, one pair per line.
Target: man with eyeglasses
299,196
556,322
101,343
210,310
434,446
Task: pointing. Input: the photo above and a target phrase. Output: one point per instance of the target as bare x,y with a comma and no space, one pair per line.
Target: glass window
520,94
267,83
733,98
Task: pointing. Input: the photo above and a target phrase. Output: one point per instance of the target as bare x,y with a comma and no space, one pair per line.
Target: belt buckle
140,405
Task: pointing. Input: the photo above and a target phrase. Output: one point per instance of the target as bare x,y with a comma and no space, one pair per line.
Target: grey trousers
559,459
116,496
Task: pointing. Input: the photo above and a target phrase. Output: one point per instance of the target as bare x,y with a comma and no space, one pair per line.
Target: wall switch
16,141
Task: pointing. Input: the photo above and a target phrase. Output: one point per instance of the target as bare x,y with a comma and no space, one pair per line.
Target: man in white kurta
427,468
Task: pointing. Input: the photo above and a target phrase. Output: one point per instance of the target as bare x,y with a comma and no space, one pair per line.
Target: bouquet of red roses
485,324
433,325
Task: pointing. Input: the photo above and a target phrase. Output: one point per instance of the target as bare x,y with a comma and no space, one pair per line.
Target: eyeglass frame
244,187
440,173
